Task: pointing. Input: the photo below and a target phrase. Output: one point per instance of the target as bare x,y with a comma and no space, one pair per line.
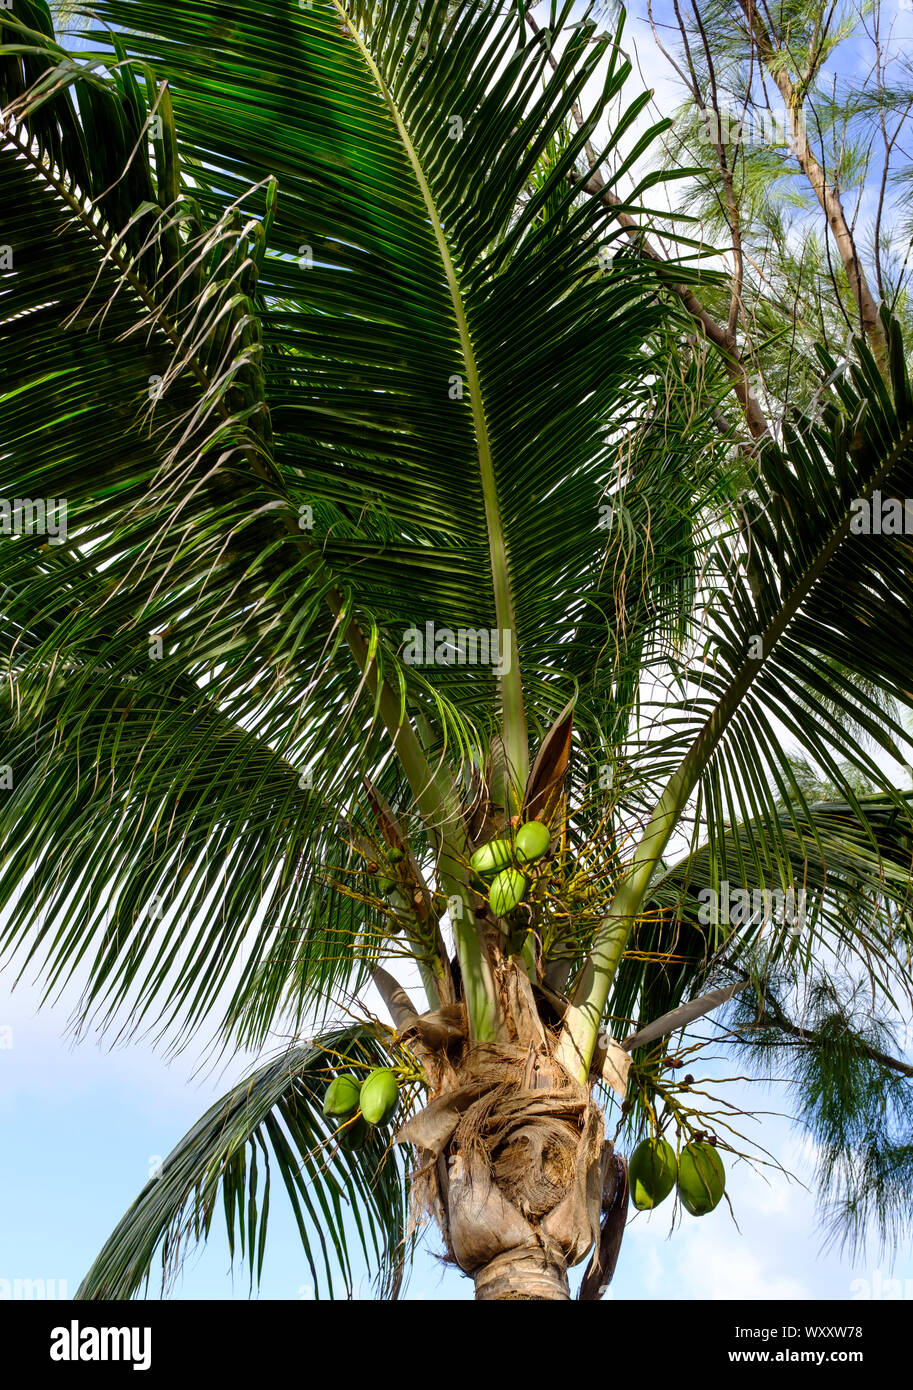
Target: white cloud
725,1268
769,1193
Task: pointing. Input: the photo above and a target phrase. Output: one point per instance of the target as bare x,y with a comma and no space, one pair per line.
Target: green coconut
652,1171
533,840
355,1134
342,1096
490,859
507,892
701,1178
379,1096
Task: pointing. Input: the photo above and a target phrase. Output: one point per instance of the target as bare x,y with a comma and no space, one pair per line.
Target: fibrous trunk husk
512,1164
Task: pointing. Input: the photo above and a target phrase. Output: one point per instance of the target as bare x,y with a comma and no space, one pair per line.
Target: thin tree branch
732,207
811,1038
824,190
719,335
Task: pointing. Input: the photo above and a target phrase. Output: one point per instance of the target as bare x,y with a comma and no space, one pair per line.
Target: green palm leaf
251,388
799,636
442,428
843,887
271,1121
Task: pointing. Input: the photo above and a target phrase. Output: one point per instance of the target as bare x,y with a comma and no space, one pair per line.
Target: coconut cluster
361,1105
654,1170
499,868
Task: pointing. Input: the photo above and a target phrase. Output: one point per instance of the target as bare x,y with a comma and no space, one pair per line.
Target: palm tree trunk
523,1275
513,1163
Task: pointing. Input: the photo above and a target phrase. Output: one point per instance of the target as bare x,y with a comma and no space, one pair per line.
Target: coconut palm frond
810,608
431,419
349,1202
843,889
308,457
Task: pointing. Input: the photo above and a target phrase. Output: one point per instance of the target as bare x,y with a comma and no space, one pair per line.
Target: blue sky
81,1126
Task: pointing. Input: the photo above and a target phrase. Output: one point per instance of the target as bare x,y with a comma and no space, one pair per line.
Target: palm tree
361,515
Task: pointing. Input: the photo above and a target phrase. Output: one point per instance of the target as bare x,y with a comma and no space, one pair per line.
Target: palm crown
392,522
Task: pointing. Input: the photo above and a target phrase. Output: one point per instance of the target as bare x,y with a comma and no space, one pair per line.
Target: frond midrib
515,734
